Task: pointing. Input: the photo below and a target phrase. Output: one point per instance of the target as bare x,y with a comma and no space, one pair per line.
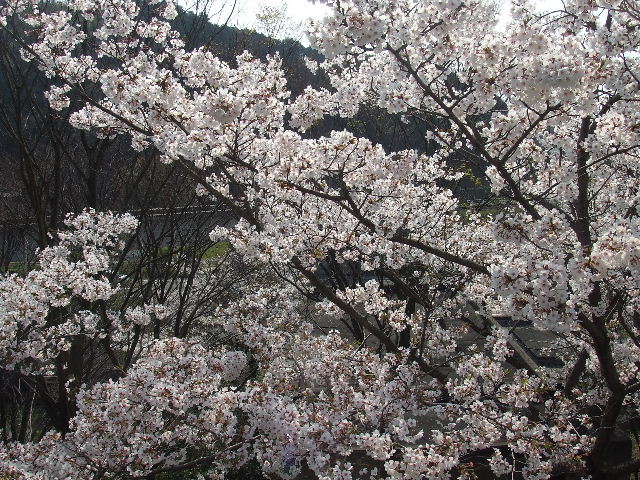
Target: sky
244,13
298,10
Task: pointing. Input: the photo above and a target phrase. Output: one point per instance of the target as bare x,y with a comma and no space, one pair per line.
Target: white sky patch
541,6
297,10
242,13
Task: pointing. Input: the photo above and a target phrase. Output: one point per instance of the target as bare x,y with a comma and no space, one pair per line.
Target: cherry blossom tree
545,107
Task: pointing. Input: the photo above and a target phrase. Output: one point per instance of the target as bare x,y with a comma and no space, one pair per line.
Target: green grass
217,250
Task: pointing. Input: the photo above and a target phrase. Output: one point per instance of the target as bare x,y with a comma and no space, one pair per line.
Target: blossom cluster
37,319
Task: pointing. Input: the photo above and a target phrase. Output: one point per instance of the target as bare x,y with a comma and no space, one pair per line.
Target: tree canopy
389,331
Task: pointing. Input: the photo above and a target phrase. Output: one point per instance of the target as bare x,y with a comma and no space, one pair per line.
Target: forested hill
227,42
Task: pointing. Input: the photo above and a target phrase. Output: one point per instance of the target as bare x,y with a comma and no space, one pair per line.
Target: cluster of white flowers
36,323
171,398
